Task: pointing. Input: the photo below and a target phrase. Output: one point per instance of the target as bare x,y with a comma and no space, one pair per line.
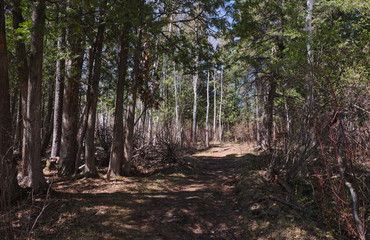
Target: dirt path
193,201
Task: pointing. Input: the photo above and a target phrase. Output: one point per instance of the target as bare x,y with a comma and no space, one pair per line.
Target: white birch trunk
309,83
195,83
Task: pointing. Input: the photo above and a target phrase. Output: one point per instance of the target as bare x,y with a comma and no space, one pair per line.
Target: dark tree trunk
8,170
270,112
74,63
18,127
22,71
129,141
58,99
33,122
90,168
257,110
264,112
116,155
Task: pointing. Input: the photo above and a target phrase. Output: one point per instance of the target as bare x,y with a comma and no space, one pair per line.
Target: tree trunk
58,99
17,141
151,120
161,96
129,141
309,82
220,114
195,84
74,63
207,113
82,126
47,126
270,112
214,105
116,154
310,74
90,168
8,170
257,109
177,132
33,123
23,71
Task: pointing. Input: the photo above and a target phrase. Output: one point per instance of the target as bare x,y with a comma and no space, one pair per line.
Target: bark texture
8,170
129,141
74,63
207,113
220,114
33,123
214,106
90,168
58,98
195,92
22,72
116,155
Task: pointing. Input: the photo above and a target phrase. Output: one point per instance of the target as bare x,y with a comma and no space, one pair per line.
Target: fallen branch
46,204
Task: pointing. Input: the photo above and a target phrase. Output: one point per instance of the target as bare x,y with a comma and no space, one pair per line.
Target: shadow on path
189,202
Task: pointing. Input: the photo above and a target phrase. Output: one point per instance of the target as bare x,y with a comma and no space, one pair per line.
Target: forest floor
216,193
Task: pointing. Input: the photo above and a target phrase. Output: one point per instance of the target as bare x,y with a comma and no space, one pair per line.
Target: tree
129,140
8,171
73,66
220,113
90,168
116,154
214,105
59,88
207,133
33,122
23,72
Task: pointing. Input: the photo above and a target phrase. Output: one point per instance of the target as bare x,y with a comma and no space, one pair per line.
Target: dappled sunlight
225,150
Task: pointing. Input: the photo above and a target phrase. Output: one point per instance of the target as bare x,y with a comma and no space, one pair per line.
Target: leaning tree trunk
33,123
90,168
58,99
23,72
8,170
129,141
116,154
74,63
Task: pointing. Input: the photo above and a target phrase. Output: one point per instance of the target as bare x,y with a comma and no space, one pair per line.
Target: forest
192,119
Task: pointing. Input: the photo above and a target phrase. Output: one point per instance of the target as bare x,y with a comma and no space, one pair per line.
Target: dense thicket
125,76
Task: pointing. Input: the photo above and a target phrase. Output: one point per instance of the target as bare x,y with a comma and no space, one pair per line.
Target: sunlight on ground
224,150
